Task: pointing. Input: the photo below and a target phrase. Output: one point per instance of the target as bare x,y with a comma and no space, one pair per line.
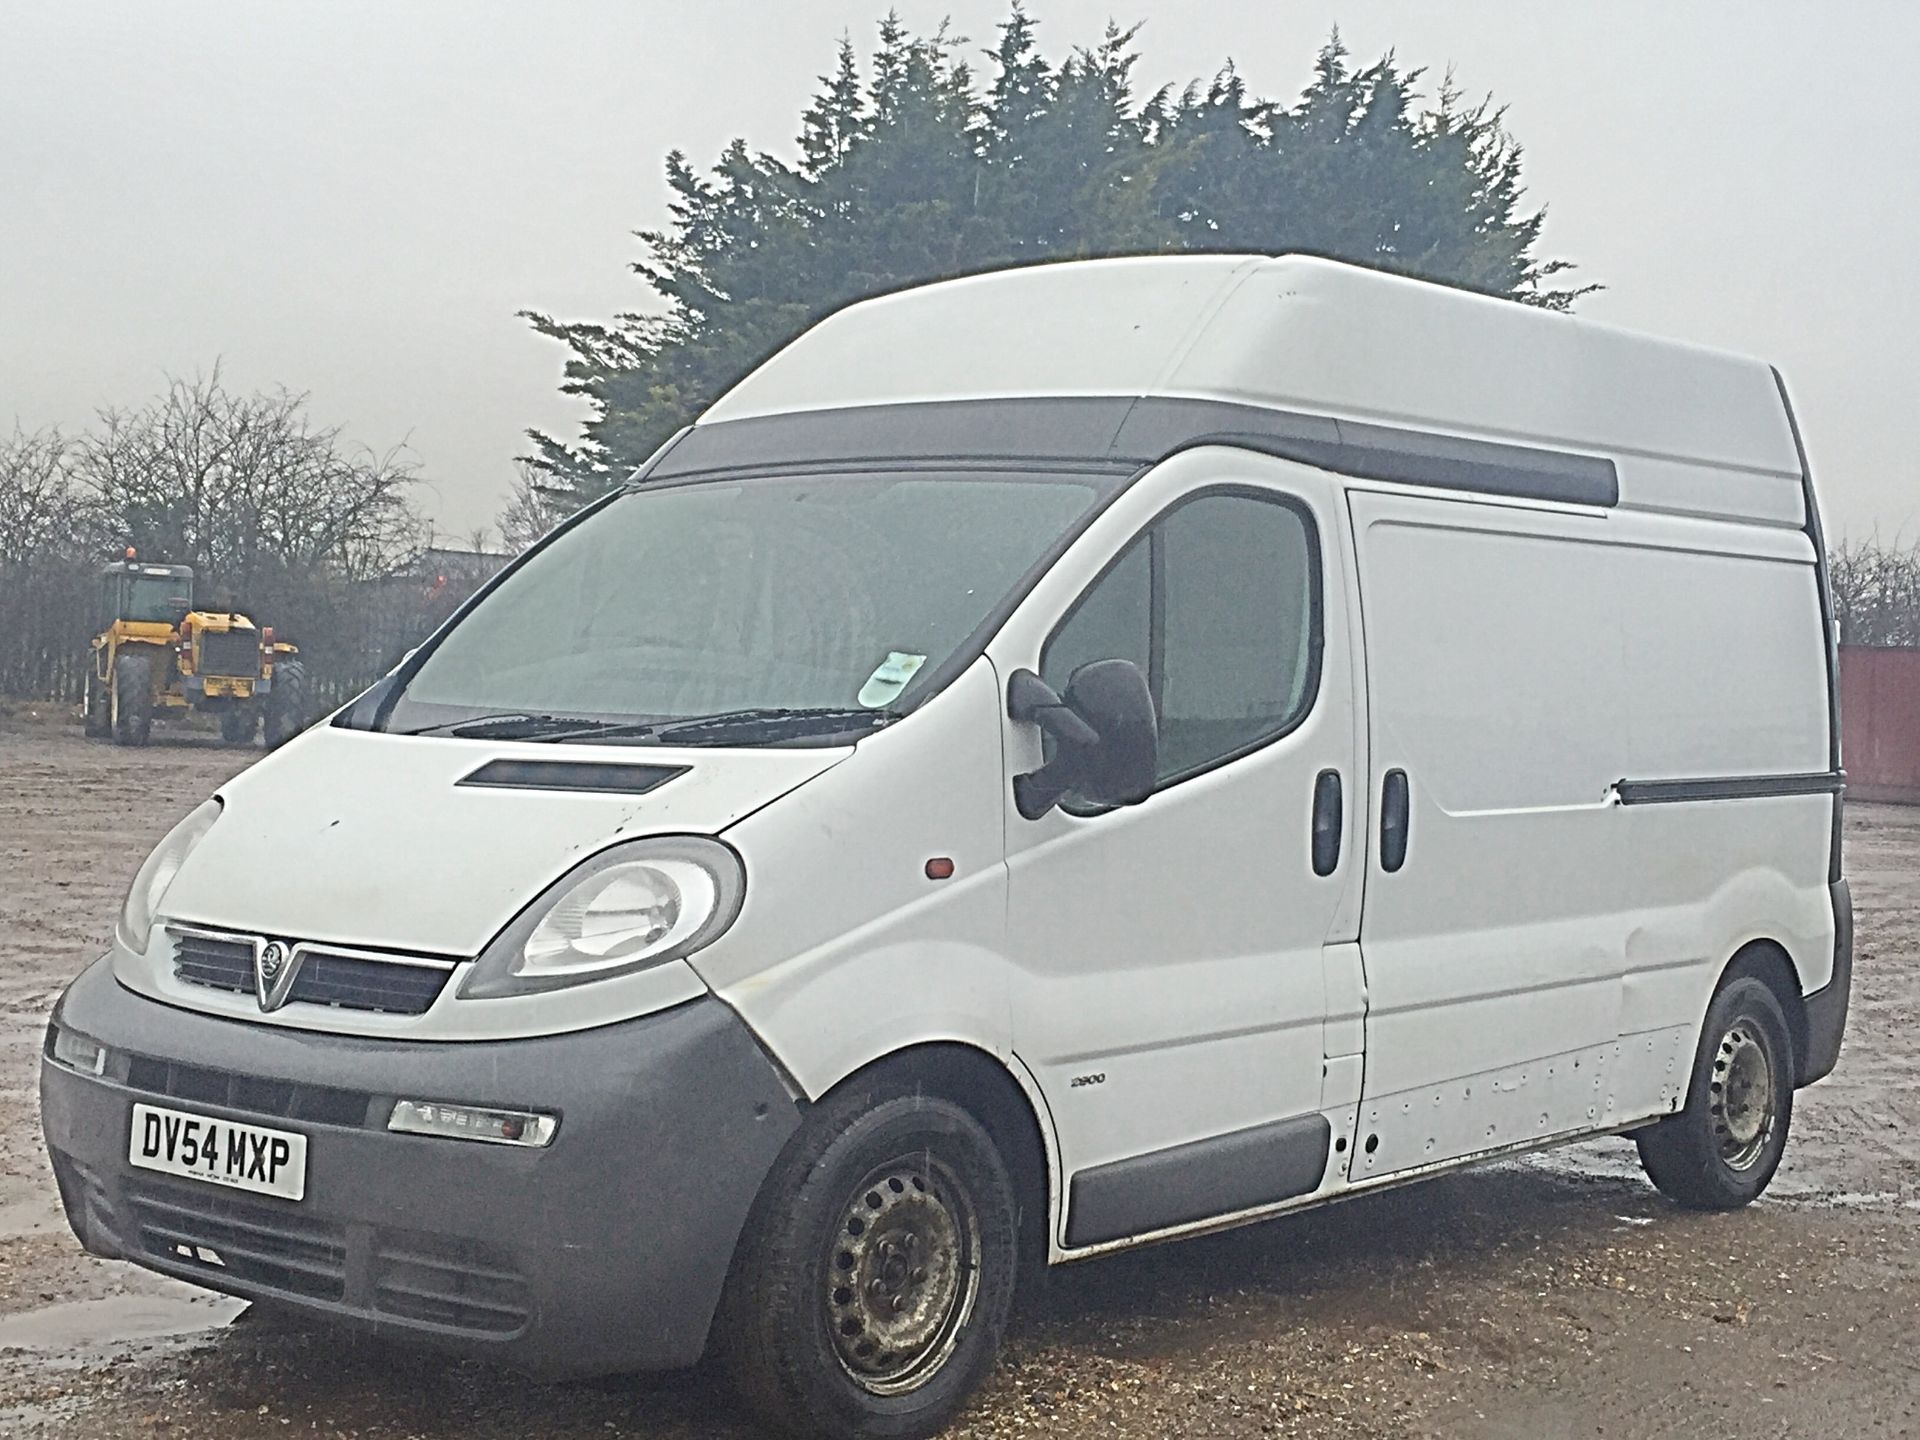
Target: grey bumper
1827,1007
605,1251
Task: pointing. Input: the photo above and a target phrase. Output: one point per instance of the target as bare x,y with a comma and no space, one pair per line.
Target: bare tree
245,487
37,499
538,503
1876,592
44,572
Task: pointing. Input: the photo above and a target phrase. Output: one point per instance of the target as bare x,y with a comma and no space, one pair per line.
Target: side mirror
1106,732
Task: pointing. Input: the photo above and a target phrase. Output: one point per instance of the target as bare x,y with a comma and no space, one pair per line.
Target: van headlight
634,906
151,882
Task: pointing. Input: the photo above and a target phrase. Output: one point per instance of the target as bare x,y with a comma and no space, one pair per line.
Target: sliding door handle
1395,819
1326,822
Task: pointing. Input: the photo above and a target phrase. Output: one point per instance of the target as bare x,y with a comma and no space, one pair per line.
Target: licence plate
220,1152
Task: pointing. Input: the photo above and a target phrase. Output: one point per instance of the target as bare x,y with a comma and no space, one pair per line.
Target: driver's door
1171,957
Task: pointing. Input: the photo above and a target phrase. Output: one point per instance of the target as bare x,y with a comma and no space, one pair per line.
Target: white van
1055,760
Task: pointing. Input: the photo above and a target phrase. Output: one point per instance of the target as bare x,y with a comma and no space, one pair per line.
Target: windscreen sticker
890,679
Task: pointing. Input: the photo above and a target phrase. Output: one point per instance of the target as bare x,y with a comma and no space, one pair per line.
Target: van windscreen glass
744,611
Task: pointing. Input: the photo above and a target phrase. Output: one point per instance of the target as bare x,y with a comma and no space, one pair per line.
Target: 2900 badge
219,1152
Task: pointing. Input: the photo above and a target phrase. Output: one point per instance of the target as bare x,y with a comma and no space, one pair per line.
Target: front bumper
604,1251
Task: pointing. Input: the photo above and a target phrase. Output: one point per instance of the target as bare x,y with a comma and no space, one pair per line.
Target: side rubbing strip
1199,1180
1737,787
577,775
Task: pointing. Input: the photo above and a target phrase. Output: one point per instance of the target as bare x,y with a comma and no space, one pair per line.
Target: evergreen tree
917,172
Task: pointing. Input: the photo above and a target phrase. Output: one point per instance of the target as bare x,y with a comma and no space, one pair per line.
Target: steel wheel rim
1741,1093
902,1274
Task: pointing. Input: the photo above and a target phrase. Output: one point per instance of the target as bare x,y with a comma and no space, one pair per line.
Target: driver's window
1112,621
1218,603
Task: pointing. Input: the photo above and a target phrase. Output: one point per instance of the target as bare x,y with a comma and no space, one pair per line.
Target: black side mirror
1106,732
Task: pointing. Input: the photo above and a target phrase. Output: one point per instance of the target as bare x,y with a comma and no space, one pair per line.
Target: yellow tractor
155,652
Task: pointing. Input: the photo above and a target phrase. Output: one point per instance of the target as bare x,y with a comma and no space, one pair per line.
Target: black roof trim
1158,427
1073,429
1119,431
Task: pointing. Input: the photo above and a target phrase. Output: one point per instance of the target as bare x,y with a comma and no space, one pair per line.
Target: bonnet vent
594,777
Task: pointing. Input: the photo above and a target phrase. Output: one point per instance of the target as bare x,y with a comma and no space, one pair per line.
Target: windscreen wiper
777,720
759,719
524,726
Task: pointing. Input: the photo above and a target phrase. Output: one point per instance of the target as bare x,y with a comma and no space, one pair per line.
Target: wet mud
1544,1299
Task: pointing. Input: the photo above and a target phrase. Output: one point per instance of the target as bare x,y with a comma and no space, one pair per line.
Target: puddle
93,1325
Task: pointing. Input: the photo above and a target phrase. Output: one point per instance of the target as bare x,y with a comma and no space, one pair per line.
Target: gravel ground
1554,1297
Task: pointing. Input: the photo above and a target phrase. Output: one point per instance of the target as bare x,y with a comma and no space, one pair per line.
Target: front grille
279,1099
356,984
455,1283
351,982
218,964
228,652
263,1245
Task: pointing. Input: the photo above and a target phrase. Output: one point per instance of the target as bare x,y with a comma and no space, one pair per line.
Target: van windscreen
811,606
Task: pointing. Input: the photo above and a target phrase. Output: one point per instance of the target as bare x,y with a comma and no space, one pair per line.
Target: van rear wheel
877,1271
1720,1152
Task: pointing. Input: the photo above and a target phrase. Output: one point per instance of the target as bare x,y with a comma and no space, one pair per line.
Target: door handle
1395,820
1326,822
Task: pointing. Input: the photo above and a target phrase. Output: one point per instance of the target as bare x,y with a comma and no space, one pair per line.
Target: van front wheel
1720,1152
878,1269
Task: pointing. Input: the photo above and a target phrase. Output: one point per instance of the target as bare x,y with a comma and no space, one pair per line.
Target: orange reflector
939,868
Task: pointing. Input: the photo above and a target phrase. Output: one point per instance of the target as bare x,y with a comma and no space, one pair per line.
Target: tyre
96,707
1721,1150
132,699
239,725
286,703
876,1273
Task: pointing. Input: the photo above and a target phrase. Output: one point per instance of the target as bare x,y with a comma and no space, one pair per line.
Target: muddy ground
1542,1300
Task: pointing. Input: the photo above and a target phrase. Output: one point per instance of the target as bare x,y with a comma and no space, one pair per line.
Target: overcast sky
353,199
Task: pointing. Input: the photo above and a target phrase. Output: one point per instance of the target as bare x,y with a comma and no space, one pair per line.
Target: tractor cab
133,593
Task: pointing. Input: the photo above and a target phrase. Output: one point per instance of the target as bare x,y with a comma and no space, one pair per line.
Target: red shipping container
1880,723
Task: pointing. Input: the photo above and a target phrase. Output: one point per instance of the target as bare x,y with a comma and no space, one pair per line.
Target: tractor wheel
239,725
286,703
132,700
98,706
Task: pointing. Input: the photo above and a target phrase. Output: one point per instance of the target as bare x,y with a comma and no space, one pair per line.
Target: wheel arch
1003,1098
1769,962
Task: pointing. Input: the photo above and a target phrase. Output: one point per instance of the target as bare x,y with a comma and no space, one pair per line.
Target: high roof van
1051,761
